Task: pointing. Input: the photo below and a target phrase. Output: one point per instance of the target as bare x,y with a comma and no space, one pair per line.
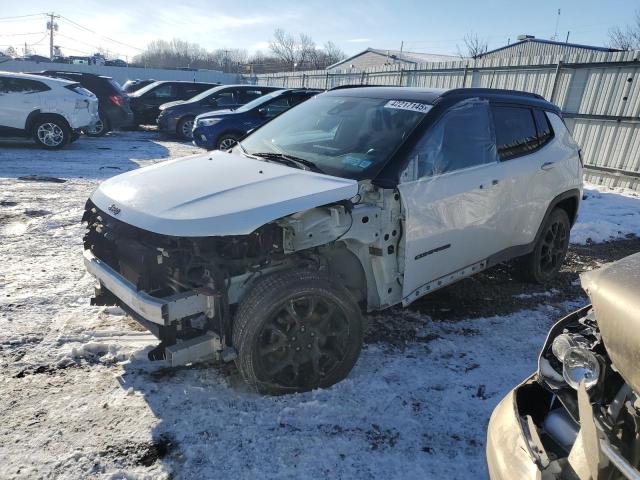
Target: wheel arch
230,131
54,115
345,267
31,118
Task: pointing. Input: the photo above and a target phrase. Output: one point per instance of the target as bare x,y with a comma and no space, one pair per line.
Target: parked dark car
115,63
131,86
113,105
221,130
177,117
146,102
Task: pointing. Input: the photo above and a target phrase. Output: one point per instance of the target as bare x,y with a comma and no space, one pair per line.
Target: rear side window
545,134
515,131
186,90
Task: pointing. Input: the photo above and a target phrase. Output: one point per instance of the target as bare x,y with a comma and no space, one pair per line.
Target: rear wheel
100,128
51,132
226,141
544,262
184,128
297,331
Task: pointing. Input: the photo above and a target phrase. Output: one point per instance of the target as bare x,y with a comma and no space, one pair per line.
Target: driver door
452,200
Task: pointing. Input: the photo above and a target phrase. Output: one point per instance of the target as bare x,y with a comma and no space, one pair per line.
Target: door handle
548,165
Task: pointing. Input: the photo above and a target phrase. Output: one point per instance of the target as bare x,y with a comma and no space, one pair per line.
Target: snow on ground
607,214
79,399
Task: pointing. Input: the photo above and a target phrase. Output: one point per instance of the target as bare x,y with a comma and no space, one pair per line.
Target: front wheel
184,128
225,142
51,132
544,262
296,331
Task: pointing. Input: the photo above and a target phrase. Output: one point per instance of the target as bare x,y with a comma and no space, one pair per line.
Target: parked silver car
578,416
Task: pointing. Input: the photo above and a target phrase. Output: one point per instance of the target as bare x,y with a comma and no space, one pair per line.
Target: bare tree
333,53
179,53
474,46
627,38
301,51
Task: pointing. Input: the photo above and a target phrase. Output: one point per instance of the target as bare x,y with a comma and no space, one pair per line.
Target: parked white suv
356,200
52,111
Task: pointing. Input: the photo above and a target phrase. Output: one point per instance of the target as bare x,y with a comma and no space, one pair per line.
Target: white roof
413,57
41,78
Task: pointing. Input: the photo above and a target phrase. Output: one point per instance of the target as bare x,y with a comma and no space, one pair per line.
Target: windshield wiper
289,160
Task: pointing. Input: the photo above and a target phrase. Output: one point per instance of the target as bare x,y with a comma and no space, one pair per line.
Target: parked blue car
223,128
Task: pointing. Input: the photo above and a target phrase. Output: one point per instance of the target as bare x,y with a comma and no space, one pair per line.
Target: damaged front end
578,417
179,288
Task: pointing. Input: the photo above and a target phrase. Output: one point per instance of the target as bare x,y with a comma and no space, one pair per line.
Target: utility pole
51,26
555,35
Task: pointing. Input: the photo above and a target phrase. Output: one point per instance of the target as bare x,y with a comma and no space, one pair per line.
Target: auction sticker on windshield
404,105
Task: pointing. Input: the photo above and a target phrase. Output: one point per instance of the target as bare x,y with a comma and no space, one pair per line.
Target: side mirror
264,111
213,102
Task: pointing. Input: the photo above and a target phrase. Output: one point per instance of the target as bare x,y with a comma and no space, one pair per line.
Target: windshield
347,136
206,93
258,101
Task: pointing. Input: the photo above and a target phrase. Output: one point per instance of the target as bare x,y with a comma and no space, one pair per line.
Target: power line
98,34
17,17
18,34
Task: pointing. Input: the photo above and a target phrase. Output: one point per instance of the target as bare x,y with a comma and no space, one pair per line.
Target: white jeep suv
354,201
52,111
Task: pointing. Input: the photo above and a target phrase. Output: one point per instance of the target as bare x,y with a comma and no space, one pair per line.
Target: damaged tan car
578,417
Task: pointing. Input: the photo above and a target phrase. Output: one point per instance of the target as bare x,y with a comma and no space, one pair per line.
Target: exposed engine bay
580,418
338,238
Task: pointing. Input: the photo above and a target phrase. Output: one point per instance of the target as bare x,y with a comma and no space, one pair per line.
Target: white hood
215,194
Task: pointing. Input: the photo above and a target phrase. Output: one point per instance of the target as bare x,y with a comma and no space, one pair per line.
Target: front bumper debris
161,311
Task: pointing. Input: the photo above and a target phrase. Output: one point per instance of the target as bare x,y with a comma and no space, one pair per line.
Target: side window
515,131
545,134
247,95
462,138
276,107
167,90
188,90
21,85
224,99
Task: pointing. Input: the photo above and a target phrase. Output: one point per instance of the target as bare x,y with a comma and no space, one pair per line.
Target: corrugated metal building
374,57
529,46
598,91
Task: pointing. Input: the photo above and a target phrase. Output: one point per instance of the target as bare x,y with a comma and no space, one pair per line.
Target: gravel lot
80,400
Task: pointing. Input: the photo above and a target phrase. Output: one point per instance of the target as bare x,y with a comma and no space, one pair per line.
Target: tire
51,132
99,129
296,331
544,262
226,141
184,128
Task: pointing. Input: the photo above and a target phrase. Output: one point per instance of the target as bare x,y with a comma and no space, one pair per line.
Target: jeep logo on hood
114,209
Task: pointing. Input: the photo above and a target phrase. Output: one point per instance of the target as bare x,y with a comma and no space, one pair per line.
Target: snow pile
607,214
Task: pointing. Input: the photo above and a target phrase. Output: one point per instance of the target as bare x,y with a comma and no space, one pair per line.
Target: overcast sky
424,26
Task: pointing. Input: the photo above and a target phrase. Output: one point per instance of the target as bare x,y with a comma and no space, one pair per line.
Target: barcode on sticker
404,105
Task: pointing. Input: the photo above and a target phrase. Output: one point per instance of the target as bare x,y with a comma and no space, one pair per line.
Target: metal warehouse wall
599,93
122,74
529,48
